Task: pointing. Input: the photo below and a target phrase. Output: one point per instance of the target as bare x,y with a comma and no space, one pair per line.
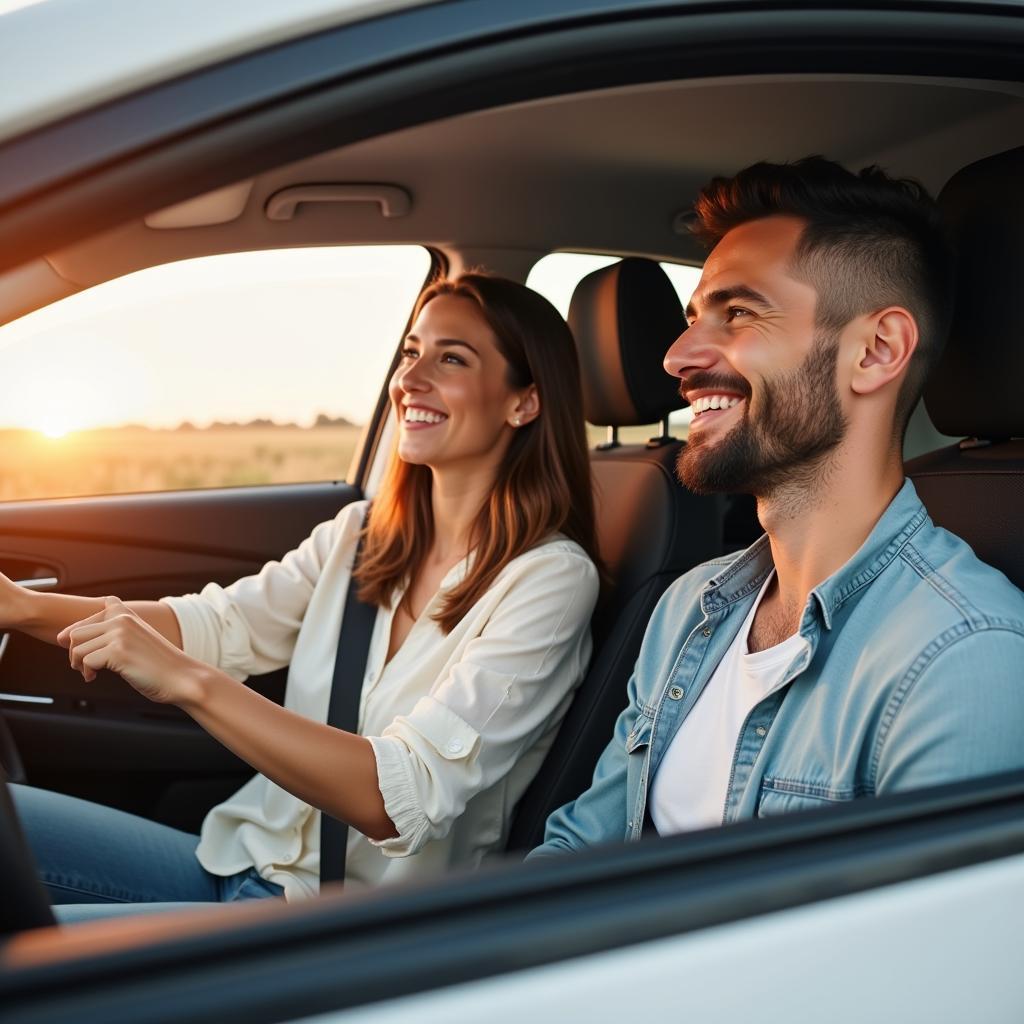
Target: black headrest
624,318
974,391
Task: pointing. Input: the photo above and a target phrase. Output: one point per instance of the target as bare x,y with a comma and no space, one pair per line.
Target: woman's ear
890,340
526,408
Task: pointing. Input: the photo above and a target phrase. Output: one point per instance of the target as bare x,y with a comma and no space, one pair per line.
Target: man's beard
800,421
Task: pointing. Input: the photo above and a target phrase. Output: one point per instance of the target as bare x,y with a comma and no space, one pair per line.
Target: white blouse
459,724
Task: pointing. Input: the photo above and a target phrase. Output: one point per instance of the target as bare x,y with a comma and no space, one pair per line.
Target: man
855,649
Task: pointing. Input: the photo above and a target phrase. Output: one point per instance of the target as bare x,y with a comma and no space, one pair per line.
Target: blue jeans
99,862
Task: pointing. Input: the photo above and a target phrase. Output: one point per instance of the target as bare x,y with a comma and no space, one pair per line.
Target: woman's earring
517,422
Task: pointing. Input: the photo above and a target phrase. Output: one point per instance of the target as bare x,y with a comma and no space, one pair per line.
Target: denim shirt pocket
784,796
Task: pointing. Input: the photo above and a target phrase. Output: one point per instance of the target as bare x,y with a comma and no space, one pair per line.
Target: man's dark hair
871,241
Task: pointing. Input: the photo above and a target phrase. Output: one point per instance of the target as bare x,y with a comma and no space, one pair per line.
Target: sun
54,425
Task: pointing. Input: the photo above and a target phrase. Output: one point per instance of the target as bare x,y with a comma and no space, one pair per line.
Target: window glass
556,275
248,368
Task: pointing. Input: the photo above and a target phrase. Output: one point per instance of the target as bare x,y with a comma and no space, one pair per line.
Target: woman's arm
44,615
330,769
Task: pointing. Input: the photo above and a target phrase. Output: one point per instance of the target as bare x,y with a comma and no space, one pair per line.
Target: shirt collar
902,518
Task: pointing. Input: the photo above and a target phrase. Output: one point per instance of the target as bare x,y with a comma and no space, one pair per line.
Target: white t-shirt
459,722
690,786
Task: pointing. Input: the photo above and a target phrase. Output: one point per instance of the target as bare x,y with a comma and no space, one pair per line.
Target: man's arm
962,716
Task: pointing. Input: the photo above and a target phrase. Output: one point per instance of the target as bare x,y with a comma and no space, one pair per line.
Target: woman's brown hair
543,483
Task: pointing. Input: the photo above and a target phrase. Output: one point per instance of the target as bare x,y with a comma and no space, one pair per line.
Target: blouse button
454,746
676,692
706,632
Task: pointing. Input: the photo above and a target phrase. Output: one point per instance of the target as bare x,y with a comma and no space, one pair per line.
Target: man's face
759,375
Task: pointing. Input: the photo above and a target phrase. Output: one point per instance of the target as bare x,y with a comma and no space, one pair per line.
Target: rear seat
650,528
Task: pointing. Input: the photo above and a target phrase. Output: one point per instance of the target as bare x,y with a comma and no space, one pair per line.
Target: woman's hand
118,639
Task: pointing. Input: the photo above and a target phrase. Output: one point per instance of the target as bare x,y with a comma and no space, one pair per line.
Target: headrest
974,391
624,318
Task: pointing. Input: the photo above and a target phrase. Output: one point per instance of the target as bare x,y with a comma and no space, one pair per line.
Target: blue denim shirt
912,675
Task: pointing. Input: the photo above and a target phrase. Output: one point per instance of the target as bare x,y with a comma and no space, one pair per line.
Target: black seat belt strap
343,710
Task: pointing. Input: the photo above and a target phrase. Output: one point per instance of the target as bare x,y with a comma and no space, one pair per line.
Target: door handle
40,583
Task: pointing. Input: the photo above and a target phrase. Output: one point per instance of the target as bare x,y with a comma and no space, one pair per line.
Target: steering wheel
23,904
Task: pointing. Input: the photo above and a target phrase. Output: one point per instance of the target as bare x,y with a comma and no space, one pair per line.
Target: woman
479,554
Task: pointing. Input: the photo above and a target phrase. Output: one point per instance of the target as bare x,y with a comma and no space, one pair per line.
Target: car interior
610,171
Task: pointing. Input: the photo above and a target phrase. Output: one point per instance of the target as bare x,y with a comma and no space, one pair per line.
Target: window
556,275
240,369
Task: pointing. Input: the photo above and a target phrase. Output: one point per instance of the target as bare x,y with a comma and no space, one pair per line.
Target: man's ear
888,343
526,408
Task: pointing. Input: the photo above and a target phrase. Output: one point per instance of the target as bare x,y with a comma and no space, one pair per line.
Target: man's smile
712,406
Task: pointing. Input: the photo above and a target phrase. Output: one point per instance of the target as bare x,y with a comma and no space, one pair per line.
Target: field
133,459
129,460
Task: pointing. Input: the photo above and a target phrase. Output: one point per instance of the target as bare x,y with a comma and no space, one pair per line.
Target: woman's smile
421,417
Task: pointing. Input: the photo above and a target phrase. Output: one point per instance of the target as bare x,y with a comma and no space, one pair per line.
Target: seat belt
343,710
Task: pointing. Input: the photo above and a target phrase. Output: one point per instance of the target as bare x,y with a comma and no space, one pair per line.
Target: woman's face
451,394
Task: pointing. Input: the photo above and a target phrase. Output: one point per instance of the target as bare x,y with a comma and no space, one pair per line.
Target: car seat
975,488
650,528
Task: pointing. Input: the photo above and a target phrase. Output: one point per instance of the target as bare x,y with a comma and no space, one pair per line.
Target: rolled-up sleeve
511,685
251,626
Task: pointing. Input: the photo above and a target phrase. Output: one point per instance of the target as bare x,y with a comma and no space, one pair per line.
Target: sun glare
54,426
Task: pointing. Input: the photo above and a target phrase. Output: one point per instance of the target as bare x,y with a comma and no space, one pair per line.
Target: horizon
321,421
